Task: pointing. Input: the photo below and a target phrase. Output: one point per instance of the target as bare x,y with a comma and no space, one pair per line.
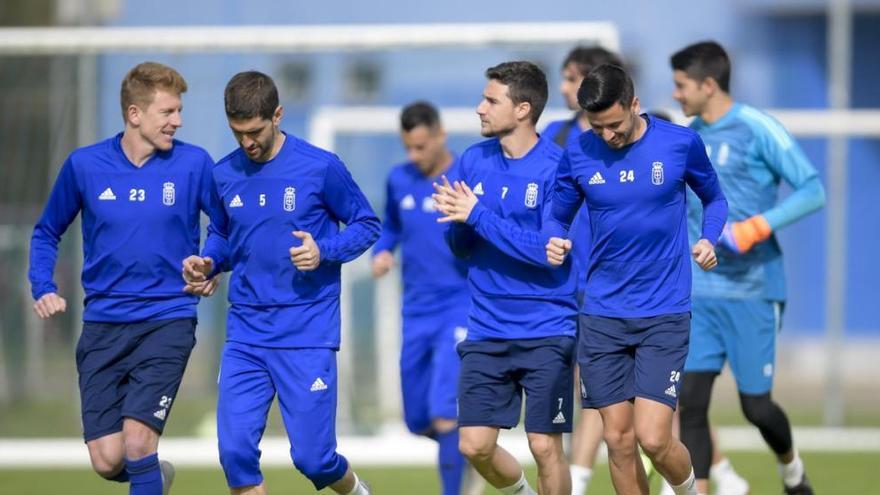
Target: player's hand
308,256
557,249
382,263
49,305
704,254
455,201
739,237
203,289
197,269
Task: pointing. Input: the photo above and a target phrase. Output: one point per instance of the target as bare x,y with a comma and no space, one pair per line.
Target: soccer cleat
167,470
802,488
731,484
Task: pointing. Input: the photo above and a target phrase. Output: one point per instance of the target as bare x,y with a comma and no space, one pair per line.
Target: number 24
627,176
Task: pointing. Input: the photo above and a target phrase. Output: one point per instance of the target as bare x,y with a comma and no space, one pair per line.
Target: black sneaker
802,488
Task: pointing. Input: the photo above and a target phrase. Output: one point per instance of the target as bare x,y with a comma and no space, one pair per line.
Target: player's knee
654,443
619,440
321,470
476,450
544,448
758,409
107,468
693,402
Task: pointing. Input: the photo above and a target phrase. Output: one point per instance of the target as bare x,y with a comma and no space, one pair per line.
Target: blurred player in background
631,170
435,292
738,308
140,193
521,324
588,433
283,200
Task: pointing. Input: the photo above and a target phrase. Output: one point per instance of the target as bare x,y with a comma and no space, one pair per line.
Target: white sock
689,487
580,479
793,472
665,489
719,470
521,487
359,488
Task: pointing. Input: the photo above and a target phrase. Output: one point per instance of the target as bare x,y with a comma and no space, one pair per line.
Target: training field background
812,63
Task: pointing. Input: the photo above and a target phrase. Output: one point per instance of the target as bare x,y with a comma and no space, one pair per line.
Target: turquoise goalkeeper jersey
752,153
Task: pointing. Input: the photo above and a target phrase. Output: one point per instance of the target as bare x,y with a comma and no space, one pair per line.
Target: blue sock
145,476
451,462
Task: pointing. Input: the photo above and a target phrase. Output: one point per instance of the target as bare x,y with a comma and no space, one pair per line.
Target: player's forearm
806,199
43,255
347,245
714,217
388,241
217,248
521,244
461,239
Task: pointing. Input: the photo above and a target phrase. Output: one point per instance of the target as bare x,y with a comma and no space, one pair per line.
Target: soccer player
737,309
631,170
581,60
283,200
138,326
435,291
521,324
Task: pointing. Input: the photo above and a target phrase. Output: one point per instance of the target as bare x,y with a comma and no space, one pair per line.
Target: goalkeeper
737,307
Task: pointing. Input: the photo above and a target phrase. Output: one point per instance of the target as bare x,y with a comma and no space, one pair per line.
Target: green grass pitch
831,473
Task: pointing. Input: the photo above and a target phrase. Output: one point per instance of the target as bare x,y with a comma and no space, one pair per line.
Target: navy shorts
494,375
131,370
624,358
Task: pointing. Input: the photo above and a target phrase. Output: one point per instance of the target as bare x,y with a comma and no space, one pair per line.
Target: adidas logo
597,179
236,202
107,195
408,202
160,414
479,189
318,385
559,419
671,391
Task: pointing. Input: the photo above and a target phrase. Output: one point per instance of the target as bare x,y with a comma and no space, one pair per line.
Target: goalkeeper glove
739,237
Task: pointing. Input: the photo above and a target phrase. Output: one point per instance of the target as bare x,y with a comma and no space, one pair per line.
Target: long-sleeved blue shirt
752,153
515,294
272,303
433,279
640,264
138,224
570,129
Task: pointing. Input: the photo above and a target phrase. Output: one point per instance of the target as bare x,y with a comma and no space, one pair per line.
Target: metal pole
839,67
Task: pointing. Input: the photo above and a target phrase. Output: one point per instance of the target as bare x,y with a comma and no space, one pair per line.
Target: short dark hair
250,94
703,60
586,58
603,87
419,113
525,81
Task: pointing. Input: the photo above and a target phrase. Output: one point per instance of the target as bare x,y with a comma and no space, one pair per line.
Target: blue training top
433,279
138,224
640,265
273,304
752,153
515,294
580,227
